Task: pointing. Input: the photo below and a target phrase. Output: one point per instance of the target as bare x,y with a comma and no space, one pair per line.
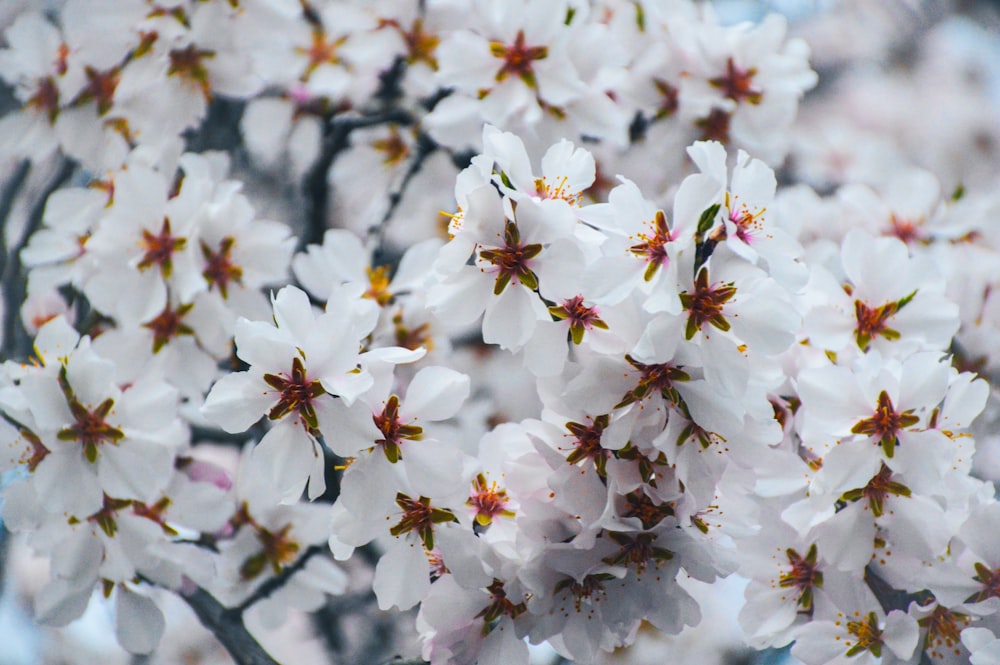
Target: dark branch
10,190
425,148
278,581
12,279
227,626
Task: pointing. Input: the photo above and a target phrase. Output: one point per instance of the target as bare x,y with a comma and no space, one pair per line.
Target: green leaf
707,219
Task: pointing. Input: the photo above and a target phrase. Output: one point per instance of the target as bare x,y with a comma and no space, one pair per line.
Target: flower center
169,324
868,634
637,550
46,99
100,88
885,423
219,267
488,500
877,491
587,444
581,318
653,247
650,514
943,632
989,578
715,126
419,517
736,84
517,59
803,576
512,260
393,431
278,550
705,304
188,63
654,378
296,394
91,427
159,249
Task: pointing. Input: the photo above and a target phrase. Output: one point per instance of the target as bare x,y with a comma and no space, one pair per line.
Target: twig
14,284
10,190
278,581
426,147
227,626
336,134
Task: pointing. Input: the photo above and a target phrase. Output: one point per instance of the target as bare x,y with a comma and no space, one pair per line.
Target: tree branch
227,626
13,282
426,147
278,581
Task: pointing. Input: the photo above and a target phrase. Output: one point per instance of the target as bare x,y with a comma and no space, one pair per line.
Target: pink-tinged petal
139,623
237,401
402,576
435,393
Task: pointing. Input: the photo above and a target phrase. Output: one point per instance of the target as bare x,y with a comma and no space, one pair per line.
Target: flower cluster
622,359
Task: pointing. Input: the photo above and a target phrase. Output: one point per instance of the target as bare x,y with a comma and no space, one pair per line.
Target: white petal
436,393
139,623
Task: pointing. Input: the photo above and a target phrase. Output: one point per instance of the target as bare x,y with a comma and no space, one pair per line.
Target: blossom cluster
621,359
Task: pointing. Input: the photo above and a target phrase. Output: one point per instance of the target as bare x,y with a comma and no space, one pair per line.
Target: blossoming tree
555,307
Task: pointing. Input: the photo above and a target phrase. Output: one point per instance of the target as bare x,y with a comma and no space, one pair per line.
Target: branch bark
227,626
12,280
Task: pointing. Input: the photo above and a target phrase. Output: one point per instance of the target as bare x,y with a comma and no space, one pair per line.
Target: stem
278,581
426,147
227,626
13,282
